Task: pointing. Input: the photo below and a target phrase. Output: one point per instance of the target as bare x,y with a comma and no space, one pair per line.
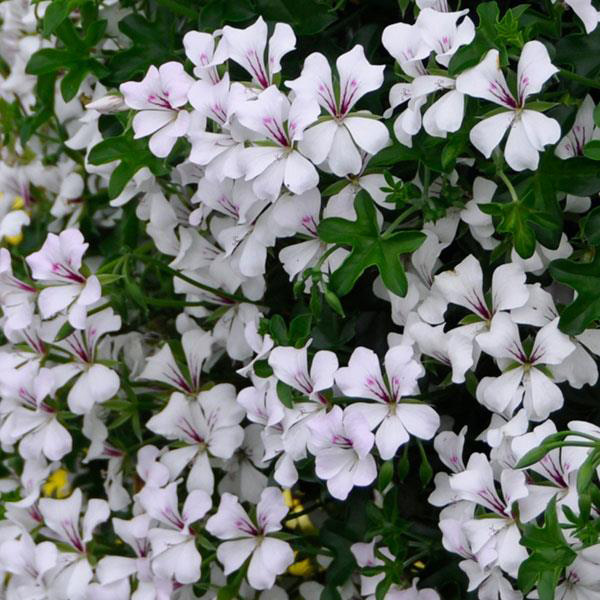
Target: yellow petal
302,568
14,240
18,203
57,484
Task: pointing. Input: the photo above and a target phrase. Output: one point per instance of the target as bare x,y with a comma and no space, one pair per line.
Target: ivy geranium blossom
159,98
341,443
530,130
58,266
283,124
395,419
207,425
338,139
532,370
247,537
247,48
174,552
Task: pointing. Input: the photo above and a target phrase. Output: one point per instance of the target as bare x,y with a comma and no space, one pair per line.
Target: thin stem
509,185
301,513
172,303
180,9
326,255
217,292
579,79
399,219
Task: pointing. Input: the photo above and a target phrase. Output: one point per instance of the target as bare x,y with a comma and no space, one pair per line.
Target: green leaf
69,86
485,38
262,369
592,150
591,228
579,175
334,302
532,457
597,115
216,13
284,392
133,154
153,44
584,278
49,60
369,248
278,330
56,12
425,469
300,328
386,474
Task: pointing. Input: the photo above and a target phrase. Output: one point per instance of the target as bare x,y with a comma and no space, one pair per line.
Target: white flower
341,442
283,124
174,553
57,264
159,98
528,369
162,366
208,425
247,537
530,130
95,383
494,539
338,138
395,419
586,11
247,47
290,365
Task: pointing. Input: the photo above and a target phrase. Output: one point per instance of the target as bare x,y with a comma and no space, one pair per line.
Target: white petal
542,396
390,436
96,385
300,174
419,420
508,287
233,554
369,134
534,69
344,158
487,134
486,80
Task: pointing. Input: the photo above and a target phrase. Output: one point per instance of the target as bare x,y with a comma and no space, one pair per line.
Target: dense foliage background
104,181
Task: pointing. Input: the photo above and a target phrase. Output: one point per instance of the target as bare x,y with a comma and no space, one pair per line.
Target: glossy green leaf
584,278
369,248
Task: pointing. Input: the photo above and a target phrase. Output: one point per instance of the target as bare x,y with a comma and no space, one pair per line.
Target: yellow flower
57,484
302,568
303,522
18,203
14,240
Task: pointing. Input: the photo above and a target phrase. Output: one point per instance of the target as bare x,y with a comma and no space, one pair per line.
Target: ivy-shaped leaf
584,277
369,248
132,154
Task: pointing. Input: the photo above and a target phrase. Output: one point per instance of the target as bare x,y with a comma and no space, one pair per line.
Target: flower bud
111,103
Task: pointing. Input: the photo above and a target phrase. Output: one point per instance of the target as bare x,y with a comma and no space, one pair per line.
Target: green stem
98,308
579,79
171,303
179,9
509,185
301,513
325,256
399,219
217,292
415,558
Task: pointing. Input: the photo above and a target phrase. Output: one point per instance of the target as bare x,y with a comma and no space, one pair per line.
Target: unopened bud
111,103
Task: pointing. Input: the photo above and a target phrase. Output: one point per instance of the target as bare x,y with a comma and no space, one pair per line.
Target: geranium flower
247,537
530,130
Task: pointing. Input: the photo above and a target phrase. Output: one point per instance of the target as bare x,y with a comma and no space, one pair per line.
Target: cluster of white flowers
215,478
